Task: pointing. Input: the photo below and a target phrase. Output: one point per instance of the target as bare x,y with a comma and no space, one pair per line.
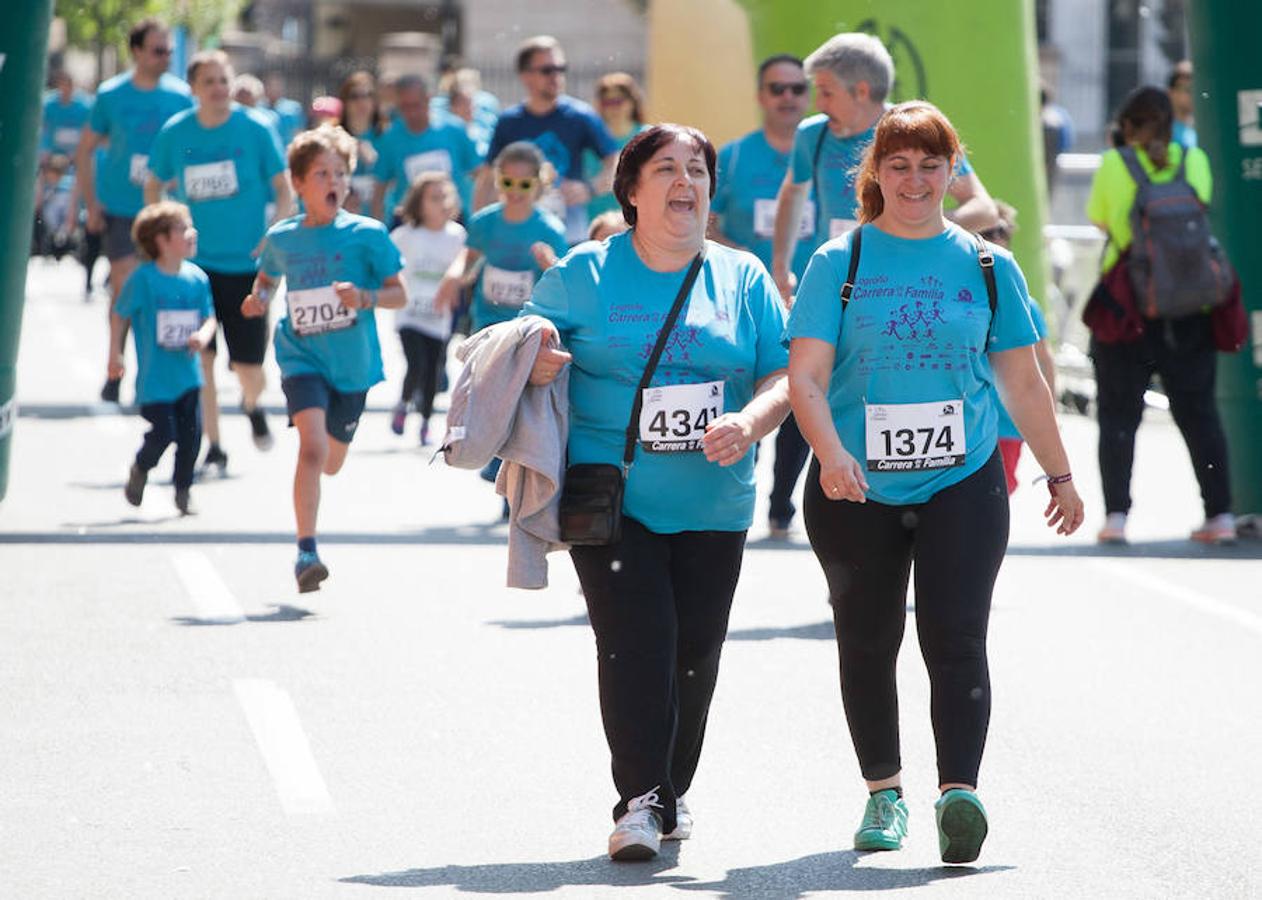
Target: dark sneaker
398,418
215,457
258,426
137,478
425,434
309,571
109,393
184,503
962,826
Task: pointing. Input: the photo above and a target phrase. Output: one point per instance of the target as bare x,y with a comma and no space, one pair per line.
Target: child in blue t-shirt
338,267
167,303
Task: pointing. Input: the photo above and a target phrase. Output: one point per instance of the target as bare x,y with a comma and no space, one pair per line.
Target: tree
97,24
204,20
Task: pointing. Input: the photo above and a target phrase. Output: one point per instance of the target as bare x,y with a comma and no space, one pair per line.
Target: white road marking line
1242,617
284,746
211,597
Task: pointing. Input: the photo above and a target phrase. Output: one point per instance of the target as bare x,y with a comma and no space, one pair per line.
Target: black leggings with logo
957,540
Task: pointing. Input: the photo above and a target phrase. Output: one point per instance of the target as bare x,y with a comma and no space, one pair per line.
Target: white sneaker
1114,530
638,834
683,822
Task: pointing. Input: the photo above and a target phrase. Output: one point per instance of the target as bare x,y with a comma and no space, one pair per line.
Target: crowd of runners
804,281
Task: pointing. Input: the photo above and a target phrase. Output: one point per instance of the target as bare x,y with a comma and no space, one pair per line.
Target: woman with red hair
899,330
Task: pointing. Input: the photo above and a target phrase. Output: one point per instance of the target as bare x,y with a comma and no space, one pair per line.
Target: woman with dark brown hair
891,367
658,595
621,105
361,119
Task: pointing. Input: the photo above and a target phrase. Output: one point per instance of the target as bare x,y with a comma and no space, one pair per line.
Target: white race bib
911,437
838,227
176,326
137,169
503,287
66,137
765,219
429,161
673,418
363,186
318,311
210,181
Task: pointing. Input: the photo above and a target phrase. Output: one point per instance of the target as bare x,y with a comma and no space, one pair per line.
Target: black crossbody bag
591,498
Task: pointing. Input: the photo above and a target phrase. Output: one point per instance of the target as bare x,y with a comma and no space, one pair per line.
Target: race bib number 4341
912,437
673,419
318,311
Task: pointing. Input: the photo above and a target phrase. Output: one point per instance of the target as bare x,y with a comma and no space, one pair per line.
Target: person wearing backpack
1164,274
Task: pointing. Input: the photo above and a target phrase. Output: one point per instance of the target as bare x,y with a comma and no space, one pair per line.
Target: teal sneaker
962,826
884,823
309,571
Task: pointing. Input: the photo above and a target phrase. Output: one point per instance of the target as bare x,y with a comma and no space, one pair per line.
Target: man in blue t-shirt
560,126
130,109
852,73
417,143
750,172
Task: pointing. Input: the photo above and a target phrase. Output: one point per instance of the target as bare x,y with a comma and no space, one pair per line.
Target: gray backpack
1176,267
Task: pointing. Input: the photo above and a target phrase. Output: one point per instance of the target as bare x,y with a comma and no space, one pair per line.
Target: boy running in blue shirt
338,267
167,302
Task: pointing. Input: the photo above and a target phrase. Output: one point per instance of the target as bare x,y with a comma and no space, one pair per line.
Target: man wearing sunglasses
562,127
750,173
852,74
129,111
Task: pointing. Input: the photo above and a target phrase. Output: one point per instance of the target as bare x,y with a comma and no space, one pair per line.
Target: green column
977,61
23,49
1228,85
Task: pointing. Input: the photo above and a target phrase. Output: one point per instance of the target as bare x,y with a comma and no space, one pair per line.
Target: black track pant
659,605
178,422
957,540
425,356
791,454
1182,353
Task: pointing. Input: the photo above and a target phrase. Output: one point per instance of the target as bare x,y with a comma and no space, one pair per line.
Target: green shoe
961,825
884,823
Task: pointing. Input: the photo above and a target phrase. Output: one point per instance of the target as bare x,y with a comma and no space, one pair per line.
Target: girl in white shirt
429,240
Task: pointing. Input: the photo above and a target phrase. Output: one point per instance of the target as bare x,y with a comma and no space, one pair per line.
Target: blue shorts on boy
914,332
130,119
224,176
164,311
510,272
608,308
351,248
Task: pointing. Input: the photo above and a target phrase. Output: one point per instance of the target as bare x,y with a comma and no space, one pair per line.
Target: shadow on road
816,631
281,612
514,878
514,624
1175,549
828,872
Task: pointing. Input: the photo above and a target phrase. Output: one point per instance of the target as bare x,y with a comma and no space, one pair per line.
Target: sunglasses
549,71
359,95
613,99
777,88
518,184
160,51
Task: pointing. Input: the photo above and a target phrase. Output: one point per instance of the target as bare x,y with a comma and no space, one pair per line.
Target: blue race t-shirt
130,119
510,272
914,332
562,135
164,311
224,174
1008,428
63,122
837,207
608,307
750,173
350,248
403,154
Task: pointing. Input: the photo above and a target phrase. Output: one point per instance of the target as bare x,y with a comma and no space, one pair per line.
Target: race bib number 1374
912,437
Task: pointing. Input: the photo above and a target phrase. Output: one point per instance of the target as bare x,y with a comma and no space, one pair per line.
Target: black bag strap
819,148
628,451
986,260
856,244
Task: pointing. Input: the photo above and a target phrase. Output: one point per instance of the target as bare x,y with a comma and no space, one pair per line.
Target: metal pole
1228,84
23,52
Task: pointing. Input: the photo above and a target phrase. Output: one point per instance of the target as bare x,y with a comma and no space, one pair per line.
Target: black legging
178,422
424,355
659,605
1182,353
791,453
957,540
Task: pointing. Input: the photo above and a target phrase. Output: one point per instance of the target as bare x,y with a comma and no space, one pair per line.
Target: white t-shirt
426,256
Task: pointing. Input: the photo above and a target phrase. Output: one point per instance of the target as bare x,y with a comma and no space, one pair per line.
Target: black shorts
246,338
341,411
117,241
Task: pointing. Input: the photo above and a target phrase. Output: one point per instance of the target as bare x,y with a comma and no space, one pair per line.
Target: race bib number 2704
912,437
